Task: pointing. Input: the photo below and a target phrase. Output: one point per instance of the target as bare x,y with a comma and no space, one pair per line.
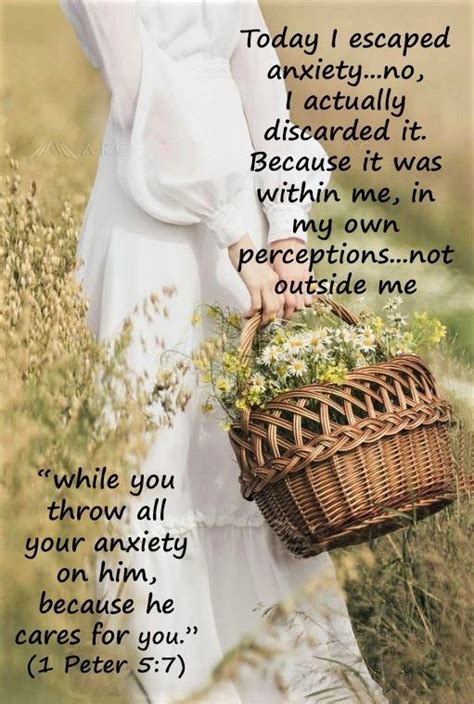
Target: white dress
173,189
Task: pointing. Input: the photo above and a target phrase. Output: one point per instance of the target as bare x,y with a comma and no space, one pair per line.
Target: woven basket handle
251,326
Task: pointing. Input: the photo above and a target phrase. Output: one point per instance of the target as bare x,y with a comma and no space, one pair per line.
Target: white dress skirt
173,189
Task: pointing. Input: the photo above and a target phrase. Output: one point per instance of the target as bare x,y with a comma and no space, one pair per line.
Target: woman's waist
205,65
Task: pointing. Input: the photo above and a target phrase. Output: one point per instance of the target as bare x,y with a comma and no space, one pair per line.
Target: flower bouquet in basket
336,422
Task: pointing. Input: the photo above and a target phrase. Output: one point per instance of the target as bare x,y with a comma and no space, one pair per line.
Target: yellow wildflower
377,324
241,404
235,319
223,385
438,332
333,374
230,362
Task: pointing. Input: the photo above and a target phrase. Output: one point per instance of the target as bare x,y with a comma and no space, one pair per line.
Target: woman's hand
260,280
291,272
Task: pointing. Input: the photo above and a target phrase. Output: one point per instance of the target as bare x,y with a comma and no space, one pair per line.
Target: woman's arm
264,102
183,180
170,158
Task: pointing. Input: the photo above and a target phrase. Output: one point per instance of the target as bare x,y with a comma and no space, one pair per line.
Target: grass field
410,594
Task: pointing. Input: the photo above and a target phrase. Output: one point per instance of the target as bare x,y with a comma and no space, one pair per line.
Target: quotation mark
44,473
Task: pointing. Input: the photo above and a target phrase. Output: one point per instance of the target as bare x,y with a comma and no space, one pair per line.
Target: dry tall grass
67,401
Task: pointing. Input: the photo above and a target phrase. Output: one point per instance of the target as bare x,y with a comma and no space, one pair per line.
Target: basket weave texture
331,465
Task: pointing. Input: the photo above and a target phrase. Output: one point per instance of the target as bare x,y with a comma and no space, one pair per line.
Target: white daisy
295,344
258,383
297,367
317,339
367,341
398,319
393,303
348,336
270,355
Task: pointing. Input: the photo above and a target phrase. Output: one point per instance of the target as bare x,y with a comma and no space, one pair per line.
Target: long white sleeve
264,102
179,159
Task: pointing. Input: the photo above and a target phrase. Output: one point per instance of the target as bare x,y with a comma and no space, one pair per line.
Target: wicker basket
338,465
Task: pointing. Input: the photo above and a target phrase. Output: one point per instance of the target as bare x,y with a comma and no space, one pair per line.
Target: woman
190,103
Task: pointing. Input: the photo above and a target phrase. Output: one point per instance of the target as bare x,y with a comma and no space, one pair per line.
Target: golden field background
409,594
